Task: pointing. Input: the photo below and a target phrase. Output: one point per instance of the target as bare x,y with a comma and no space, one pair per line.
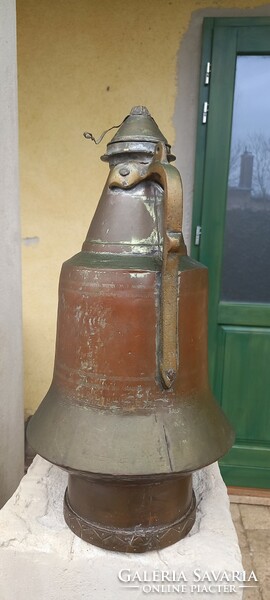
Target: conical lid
139,125
138,133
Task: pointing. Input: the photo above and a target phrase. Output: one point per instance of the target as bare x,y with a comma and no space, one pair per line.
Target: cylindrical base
130,515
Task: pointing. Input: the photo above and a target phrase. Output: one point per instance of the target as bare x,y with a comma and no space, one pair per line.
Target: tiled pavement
252,524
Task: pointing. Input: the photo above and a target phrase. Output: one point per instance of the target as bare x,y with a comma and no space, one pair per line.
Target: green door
232,207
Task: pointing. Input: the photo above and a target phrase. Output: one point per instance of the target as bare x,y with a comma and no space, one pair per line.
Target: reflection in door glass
246,254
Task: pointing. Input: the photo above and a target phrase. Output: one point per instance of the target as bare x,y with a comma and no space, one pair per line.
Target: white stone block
41,559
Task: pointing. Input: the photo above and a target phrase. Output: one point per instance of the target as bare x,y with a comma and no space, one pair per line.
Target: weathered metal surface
126,176
139,134
161,522
129,413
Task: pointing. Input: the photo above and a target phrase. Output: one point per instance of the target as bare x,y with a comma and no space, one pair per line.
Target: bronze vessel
129,413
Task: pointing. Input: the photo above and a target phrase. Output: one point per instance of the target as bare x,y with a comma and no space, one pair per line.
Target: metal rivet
124,171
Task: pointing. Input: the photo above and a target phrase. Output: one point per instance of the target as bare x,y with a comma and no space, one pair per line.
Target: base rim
135,539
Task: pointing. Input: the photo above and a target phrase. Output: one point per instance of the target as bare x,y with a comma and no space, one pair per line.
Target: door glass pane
246,254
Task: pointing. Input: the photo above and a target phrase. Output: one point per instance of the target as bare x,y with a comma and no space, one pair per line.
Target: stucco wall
82,65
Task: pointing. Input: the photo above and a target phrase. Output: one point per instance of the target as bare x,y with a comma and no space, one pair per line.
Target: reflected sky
246,250
252,97
251,122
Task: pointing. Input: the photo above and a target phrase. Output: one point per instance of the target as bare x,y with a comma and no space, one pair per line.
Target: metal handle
173,246
126,176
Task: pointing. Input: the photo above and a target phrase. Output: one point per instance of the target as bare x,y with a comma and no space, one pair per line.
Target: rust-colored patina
129,413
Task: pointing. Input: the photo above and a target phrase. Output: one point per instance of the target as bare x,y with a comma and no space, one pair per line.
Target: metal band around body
127,175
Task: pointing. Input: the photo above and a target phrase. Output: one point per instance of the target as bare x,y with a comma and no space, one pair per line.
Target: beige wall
82,65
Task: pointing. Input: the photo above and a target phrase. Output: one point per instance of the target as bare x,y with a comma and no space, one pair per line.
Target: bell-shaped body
129,441
106,410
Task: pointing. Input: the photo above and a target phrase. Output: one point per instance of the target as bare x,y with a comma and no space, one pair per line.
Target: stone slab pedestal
41,559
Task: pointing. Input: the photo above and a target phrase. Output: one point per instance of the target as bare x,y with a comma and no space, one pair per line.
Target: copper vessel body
115,369
130,414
